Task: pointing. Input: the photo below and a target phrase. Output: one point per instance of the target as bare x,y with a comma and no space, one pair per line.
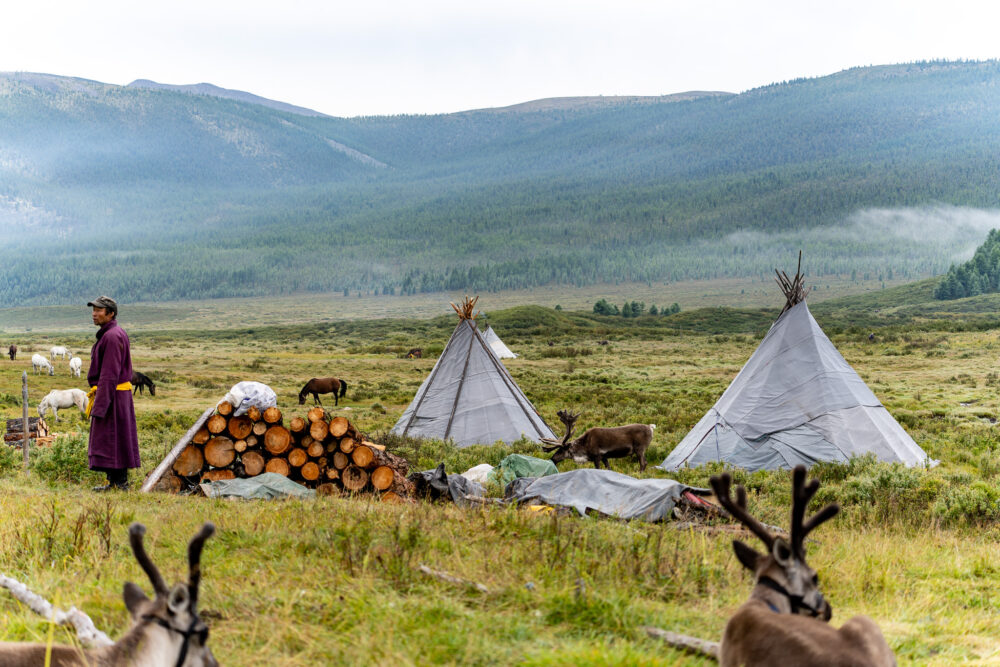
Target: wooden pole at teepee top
793,288
466,307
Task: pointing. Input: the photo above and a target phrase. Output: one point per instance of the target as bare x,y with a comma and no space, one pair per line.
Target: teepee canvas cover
797,400
493,340
470,398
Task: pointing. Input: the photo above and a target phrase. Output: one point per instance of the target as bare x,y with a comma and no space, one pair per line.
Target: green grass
335,581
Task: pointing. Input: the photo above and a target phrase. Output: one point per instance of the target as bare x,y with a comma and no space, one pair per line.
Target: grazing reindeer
598,445
166,631
785,620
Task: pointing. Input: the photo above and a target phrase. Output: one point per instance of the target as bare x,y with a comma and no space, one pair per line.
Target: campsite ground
334,581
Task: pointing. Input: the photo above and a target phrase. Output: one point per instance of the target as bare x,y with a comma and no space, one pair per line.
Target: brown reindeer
166,631
598,444
785,620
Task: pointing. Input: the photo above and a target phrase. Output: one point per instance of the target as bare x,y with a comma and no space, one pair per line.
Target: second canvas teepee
469,397
493,340
797,400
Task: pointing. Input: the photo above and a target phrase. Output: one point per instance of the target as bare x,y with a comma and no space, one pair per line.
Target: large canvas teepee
469,397
493,340
797,400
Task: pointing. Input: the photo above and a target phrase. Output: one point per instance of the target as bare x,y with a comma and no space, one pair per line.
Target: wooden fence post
24,413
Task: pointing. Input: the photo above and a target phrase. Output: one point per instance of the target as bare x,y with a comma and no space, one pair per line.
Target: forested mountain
163,194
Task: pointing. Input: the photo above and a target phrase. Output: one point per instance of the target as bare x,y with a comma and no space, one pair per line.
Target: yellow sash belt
124,386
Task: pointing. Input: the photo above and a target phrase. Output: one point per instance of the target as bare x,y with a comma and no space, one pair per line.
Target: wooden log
340,460
339,426
297,457
277,439
316,449
397,463
259,428
253,463
251,441
297,425
225,408
332,473
216,424
310,471
347,445
362,456
240,446
216,475
272,415
327,489
190,461
220,451
253,413
332,446
172,455
354,478
369,443
319,430
201,436
278,465
382,478
316,414
240,427
391,497
169,483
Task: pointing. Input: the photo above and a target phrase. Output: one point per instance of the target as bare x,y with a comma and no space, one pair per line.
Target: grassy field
335,581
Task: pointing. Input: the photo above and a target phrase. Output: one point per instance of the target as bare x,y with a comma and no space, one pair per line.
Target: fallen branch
685,643
85,630
444,576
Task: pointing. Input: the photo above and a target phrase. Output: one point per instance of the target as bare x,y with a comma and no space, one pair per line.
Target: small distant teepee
469,397
797,400
493,340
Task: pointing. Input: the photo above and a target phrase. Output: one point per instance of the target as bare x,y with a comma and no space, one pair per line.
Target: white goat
62,398
58,351
75,366
38,362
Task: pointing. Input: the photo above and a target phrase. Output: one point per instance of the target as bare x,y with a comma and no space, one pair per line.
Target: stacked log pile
38,430
327,454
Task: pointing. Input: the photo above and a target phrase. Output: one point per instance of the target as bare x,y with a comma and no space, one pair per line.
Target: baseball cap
104,302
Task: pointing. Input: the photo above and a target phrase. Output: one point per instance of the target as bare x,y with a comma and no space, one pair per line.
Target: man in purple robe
114,440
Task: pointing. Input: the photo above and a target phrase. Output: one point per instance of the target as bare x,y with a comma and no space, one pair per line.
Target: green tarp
519,465
262,487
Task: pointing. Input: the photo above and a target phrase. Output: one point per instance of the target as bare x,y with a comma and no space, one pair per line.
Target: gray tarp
797,400
470,398
264,487
604,491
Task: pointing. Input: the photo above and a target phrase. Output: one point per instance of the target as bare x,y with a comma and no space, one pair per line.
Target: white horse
39,362
58,351
75,365
62,398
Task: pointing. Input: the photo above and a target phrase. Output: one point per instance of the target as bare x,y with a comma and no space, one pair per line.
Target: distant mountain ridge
225,93
205,195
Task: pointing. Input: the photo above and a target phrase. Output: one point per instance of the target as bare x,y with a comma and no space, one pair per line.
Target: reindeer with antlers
598,444
166,630
785,620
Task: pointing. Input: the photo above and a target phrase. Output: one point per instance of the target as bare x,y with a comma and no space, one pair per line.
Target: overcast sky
428,56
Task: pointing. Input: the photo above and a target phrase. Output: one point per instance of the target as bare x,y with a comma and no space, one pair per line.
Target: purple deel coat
114,441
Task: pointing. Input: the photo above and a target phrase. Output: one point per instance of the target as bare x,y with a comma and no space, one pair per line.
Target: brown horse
317,386
12,351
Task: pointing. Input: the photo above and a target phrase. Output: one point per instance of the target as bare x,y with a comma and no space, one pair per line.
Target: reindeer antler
802,493
135,534
738,508
194,559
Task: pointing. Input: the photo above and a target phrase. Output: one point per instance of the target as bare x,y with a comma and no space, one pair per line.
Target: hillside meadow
335,580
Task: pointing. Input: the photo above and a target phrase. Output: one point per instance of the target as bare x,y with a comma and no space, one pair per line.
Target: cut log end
297,457
253,463
190,461
382,478
202,436
339,426
225,408
279,466
220,451
216,424
240,427
316,414
297,425
319,430
253,413
310,472
354,478
277,439
362,456
272,415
